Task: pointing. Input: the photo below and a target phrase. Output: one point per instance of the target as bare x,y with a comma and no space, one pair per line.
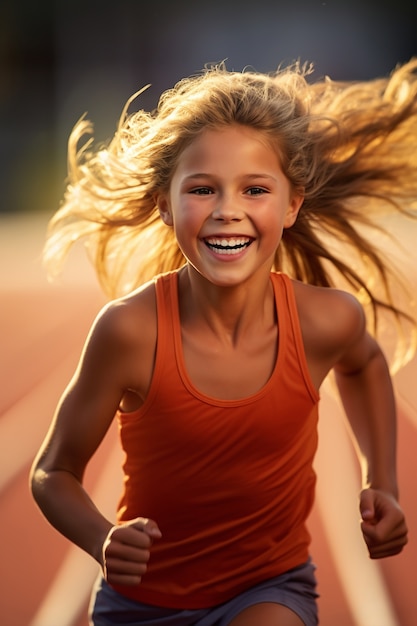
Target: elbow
40,475
47,478
37,480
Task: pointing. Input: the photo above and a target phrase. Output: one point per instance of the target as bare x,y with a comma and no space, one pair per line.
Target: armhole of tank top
298,337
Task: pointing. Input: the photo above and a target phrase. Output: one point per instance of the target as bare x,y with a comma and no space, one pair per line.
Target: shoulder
322,301
331,320
126,323
119,315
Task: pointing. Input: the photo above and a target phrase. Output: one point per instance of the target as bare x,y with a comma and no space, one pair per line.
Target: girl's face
228,203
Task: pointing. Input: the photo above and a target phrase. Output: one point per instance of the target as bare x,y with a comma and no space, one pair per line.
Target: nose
227,209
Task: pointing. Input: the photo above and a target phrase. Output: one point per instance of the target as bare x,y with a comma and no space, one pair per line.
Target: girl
233,194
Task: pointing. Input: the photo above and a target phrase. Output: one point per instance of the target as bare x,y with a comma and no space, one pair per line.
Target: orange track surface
43,580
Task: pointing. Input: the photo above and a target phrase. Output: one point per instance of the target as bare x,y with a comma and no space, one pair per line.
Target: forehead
227,145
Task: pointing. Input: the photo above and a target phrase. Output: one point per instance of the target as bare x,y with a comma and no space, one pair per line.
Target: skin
228,187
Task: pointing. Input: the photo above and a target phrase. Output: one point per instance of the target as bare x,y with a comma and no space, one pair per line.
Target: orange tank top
229,482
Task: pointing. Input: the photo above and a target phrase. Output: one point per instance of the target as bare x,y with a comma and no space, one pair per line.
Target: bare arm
367,395
83,417
368,398
335,337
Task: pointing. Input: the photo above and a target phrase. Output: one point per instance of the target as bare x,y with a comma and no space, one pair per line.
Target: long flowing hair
349,147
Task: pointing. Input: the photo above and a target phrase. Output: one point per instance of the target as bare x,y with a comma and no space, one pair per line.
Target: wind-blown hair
350,148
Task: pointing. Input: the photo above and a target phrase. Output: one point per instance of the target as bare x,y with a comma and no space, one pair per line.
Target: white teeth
228,246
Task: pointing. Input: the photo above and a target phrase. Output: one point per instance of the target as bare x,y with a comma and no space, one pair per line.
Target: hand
383,523
126,551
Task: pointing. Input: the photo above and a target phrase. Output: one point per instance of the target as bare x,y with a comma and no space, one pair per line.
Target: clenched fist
126,551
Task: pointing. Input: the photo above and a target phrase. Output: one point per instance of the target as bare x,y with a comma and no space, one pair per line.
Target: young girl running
220,224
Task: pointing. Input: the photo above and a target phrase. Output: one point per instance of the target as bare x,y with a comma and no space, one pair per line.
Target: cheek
271,220
186,228
187,235
188,215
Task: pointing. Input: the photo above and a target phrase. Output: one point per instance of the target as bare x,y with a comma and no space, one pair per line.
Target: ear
162,202
294,207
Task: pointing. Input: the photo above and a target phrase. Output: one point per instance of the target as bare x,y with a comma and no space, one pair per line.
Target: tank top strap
289,320
166,286
165,361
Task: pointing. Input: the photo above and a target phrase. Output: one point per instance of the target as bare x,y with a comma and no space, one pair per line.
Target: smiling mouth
232,245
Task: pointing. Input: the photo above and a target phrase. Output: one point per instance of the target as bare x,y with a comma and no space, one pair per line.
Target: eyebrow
247,176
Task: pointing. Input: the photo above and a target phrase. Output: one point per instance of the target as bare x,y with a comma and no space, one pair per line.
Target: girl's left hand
383,523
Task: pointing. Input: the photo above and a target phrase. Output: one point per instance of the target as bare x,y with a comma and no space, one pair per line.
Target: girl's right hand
126,551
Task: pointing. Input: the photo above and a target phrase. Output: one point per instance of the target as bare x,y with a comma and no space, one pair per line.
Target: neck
228,313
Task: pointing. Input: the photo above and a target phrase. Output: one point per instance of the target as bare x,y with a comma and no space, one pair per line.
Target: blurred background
59,60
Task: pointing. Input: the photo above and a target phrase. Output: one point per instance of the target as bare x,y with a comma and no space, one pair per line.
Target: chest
229,371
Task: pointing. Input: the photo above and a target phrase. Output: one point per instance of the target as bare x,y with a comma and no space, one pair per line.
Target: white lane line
25,424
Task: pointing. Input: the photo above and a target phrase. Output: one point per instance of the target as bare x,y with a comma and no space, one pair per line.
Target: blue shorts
296,589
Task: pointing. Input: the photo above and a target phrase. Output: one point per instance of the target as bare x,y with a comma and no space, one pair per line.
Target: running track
44,581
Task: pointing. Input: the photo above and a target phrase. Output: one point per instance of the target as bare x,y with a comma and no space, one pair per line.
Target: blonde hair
350,148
